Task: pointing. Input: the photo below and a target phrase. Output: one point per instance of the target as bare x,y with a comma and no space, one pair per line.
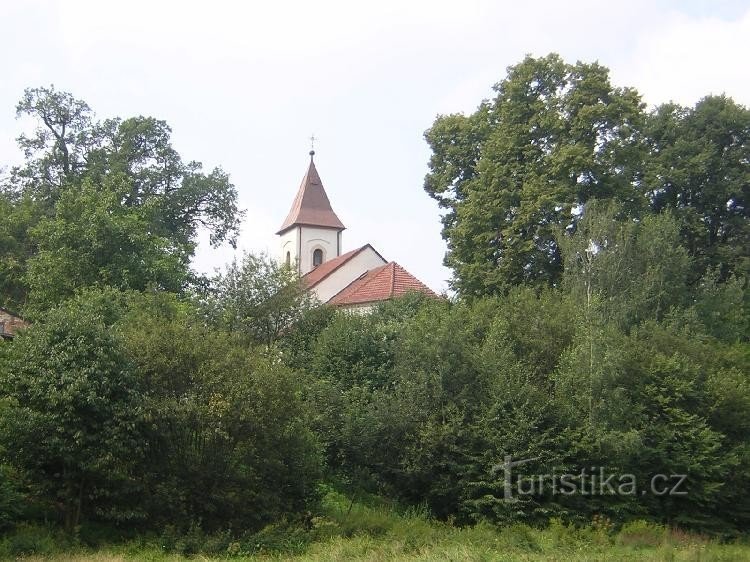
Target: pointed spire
311,206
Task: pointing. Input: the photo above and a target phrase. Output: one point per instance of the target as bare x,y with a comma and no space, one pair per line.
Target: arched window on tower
317,257
288,259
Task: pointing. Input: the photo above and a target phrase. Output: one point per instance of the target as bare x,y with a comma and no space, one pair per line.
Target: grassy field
359,531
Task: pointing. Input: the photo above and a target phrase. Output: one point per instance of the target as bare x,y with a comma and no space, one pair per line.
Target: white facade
299,243
343,276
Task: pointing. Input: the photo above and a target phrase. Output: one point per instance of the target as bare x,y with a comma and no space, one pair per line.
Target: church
311,241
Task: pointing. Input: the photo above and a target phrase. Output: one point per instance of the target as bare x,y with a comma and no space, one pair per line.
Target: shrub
520,537
282,537
29,539
195,541
640,534
11,499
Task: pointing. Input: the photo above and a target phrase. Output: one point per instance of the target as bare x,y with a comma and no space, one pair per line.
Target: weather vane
312,145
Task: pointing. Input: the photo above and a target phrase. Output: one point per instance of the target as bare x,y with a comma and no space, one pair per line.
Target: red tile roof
315,276
379,284
311,206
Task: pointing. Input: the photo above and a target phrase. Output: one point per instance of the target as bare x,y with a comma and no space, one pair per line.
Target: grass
373,530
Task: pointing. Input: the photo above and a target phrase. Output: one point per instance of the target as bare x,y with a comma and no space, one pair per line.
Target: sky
245,84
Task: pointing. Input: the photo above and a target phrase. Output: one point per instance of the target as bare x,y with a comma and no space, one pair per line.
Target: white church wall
364,308
325,239
290,243
337,281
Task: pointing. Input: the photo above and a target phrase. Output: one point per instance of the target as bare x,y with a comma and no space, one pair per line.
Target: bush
29,539
563,536
520,537
640,534
227,443
195,541
11,499
282,537
75,411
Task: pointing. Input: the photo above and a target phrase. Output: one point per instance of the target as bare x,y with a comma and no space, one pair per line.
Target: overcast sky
244,84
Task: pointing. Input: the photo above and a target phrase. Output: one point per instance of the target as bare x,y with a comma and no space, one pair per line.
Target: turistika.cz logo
593,481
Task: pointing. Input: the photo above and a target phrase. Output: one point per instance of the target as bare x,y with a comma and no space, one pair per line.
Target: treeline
147,410
626,367
128,408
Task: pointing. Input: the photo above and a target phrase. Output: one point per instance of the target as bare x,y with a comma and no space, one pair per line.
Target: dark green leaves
515,171
519,170
119,205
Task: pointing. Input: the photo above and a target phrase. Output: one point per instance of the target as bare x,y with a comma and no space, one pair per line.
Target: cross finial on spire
312,146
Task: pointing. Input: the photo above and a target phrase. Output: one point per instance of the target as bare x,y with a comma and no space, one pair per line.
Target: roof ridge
347,257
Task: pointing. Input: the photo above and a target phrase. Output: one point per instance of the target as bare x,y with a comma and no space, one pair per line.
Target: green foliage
29,539
512,173
124,407
601,322
227,437
640,534
617,368
622,270
194,541
93,240
20,214
259,298
73,411
697,169
11,497
724,308
360,531
519,170
68,146
115,203
299,342
351,350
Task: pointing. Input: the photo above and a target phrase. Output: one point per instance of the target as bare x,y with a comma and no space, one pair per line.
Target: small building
10,323
311,241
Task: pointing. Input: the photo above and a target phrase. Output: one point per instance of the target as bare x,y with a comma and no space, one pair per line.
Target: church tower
311,232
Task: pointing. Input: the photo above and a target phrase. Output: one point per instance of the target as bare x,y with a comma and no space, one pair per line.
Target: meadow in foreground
375,530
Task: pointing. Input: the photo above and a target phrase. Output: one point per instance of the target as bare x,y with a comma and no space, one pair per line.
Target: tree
259,298
69,145
57,150
73,419
93,240
698,170
124,168
20,215
227,443
624,271
518,169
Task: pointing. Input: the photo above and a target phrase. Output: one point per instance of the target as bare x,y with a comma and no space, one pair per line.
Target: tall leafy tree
93,240
699,169
69,145
57,149
518,169
111,171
